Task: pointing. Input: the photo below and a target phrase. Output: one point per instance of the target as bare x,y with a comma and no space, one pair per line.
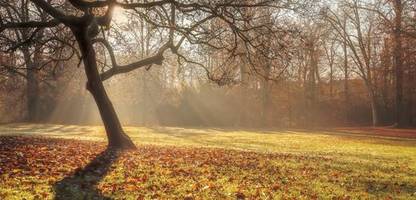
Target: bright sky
119,15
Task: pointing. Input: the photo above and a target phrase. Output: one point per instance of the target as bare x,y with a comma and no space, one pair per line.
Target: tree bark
374,111
265,96
32,94
115,134
312,90
243,121
398,62
374,105
331,81
346,88
32,88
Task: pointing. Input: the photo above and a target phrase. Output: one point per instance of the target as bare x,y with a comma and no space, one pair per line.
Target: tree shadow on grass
82,184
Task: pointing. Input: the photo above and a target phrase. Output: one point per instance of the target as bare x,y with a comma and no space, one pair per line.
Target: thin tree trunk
409,102
265,96
398,62
243,94
115,134
385,63
331,81
346,89
374,105
374,111
313,88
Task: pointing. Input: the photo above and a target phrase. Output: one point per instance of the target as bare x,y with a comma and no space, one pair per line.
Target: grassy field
202,163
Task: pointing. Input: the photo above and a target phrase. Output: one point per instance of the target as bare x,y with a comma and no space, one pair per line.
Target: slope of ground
71,162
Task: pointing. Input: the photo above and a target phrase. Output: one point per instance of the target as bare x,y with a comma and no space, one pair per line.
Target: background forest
328,63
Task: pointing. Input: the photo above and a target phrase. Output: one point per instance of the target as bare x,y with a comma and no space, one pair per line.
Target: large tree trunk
32,94
115,134
32,88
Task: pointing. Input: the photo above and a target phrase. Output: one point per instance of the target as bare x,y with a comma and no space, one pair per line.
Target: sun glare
119,15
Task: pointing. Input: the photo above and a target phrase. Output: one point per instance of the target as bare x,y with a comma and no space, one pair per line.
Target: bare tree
29,47
179,21
357,32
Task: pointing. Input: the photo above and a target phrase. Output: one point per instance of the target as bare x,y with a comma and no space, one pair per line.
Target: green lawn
205,163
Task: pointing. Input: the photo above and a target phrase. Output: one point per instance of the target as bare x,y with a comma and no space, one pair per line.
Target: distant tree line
242,64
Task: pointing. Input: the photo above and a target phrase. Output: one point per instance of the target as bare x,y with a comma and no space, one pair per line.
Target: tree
398,60
330,51
395,26
179,21
357,31
18,40
38,54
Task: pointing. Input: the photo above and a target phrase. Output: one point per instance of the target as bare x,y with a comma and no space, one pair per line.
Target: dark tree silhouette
181,21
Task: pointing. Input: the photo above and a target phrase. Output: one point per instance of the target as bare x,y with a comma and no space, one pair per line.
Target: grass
204,163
